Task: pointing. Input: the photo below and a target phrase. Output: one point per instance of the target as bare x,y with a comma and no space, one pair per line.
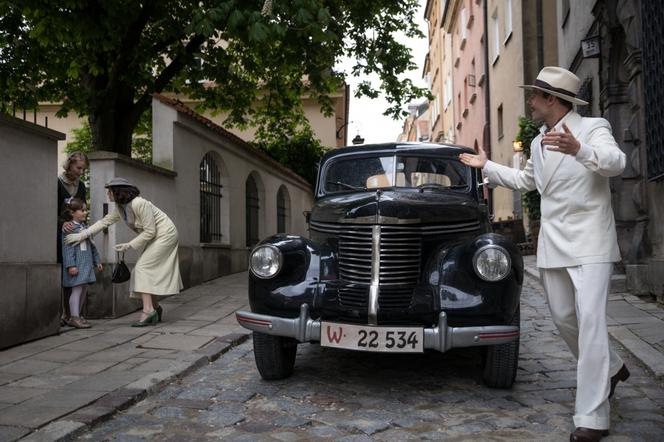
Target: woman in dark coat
70,185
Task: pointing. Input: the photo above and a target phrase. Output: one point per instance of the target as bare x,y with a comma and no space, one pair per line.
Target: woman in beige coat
157,271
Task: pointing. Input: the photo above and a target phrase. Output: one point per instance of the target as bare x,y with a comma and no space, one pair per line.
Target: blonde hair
75,157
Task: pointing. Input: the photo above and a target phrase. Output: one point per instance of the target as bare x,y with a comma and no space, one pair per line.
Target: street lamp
357,140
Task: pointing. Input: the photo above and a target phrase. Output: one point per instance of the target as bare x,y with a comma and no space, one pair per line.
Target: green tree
528,130
252,59
301,153
141,146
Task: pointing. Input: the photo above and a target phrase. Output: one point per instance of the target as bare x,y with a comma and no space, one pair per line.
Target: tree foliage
254,60
141,146
528,130
301,153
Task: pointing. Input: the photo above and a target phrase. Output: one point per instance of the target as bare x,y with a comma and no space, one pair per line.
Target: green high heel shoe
151,319
159,312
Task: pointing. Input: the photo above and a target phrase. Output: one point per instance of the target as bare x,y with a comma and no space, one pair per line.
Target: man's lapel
553,159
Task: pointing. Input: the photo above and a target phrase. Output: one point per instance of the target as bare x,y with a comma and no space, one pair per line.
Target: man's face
540,106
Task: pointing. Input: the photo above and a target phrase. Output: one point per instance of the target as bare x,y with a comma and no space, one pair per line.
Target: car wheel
501,361
275,355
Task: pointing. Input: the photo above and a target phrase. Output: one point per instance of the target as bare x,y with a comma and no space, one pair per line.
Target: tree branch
132,36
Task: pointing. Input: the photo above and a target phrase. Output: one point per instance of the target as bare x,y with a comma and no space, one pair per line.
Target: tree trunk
112,126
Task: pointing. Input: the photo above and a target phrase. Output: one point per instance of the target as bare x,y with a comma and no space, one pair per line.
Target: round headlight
265,261
492,263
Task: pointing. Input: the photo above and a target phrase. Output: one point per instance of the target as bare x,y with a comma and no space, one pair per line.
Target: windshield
400,171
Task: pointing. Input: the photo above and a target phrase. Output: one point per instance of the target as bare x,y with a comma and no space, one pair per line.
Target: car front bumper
440,338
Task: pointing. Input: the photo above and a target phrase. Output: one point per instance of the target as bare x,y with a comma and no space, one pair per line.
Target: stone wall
29,273
181,138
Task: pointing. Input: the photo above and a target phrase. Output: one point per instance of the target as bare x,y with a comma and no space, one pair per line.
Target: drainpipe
540,37
487,94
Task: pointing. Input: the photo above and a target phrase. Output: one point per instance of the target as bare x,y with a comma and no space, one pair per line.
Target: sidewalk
55,387
636,324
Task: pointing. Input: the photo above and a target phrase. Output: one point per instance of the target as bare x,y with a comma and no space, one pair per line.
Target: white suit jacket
577,224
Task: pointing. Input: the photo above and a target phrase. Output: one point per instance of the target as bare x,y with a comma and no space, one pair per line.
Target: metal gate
653,84
210,183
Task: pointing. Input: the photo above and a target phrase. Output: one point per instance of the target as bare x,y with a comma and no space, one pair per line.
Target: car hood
396,207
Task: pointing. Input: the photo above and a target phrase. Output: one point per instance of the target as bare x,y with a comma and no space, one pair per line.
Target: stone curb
79,421
641,350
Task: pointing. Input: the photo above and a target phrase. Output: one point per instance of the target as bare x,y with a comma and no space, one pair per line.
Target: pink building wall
469,68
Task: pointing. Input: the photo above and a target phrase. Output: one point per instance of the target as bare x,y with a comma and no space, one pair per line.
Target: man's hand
75,238
477,161
73,271
563,142
122,247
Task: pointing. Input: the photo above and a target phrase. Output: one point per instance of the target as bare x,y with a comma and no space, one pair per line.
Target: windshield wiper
441,186
349,186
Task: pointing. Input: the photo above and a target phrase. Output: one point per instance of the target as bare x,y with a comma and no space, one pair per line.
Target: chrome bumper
440,338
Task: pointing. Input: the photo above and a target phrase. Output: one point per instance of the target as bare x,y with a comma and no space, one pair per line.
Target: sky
366,115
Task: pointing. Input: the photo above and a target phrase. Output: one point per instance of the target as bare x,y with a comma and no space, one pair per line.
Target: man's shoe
622,375
582,434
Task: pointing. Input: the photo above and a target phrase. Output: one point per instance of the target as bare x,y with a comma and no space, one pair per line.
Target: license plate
369,338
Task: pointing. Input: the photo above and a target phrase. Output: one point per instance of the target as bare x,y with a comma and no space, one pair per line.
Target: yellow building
522,38
332,131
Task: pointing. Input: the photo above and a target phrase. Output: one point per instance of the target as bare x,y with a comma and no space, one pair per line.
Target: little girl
78,262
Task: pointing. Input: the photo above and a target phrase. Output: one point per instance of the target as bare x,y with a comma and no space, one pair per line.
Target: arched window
253,205
281,211
210,184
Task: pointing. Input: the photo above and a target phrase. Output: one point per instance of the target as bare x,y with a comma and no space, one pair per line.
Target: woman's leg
148,306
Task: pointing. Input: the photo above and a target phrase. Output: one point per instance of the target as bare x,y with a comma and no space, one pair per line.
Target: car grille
400,260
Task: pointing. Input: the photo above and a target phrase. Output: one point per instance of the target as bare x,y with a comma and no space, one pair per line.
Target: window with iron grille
210,187
252,204
653,84
281,210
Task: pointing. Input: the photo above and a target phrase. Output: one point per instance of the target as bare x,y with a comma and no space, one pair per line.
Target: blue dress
83,256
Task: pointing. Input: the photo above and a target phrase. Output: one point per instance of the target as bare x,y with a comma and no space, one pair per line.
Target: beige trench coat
157,271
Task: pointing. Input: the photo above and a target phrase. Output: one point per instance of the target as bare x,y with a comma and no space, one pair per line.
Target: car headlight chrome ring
266,261
492,263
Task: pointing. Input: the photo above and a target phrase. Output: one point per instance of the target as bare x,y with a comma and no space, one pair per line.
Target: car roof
429,148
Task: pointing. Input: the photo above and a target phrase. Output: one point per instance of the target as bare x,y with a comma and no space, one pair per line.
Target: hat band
545,85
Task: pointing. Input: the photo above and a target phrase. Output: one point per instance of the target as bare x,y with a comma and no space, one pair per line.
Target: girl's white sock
75,300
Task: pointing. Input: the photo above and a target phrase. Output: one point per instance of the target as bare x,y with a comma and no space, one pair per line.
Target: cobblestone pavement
352,396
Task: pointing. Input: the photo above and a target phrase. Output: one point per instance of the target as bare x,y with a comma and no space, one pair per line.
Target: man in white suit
571,161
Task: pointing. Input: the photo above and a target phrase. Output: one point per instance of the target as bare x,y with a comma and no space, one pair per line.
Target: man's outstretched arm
499,175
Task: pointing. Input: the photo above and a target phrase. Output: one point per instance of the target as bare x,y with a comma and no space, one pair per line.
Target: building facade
521,40
464,21
331,130
617,49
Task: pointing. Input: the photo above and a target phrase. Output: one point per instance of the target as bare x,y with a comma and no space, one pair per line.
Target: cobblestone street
354,396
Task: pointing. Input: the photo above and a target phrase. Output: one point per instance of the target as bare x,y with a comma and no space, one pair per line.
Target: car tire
275,355
501,361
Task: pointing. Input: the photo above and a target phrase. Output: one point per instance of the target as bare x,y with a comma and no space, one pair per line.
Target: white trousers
577,297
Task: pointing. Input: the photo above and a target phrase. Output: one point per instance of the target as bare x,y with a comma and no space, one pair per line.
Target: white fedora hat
558,82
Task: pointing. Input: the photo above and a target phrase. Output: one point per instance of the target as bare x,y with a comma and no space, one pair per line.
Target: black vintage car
400,258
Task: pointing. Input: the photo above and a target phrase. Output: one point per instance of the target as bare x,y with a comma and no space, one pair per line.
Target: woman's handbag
121,272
